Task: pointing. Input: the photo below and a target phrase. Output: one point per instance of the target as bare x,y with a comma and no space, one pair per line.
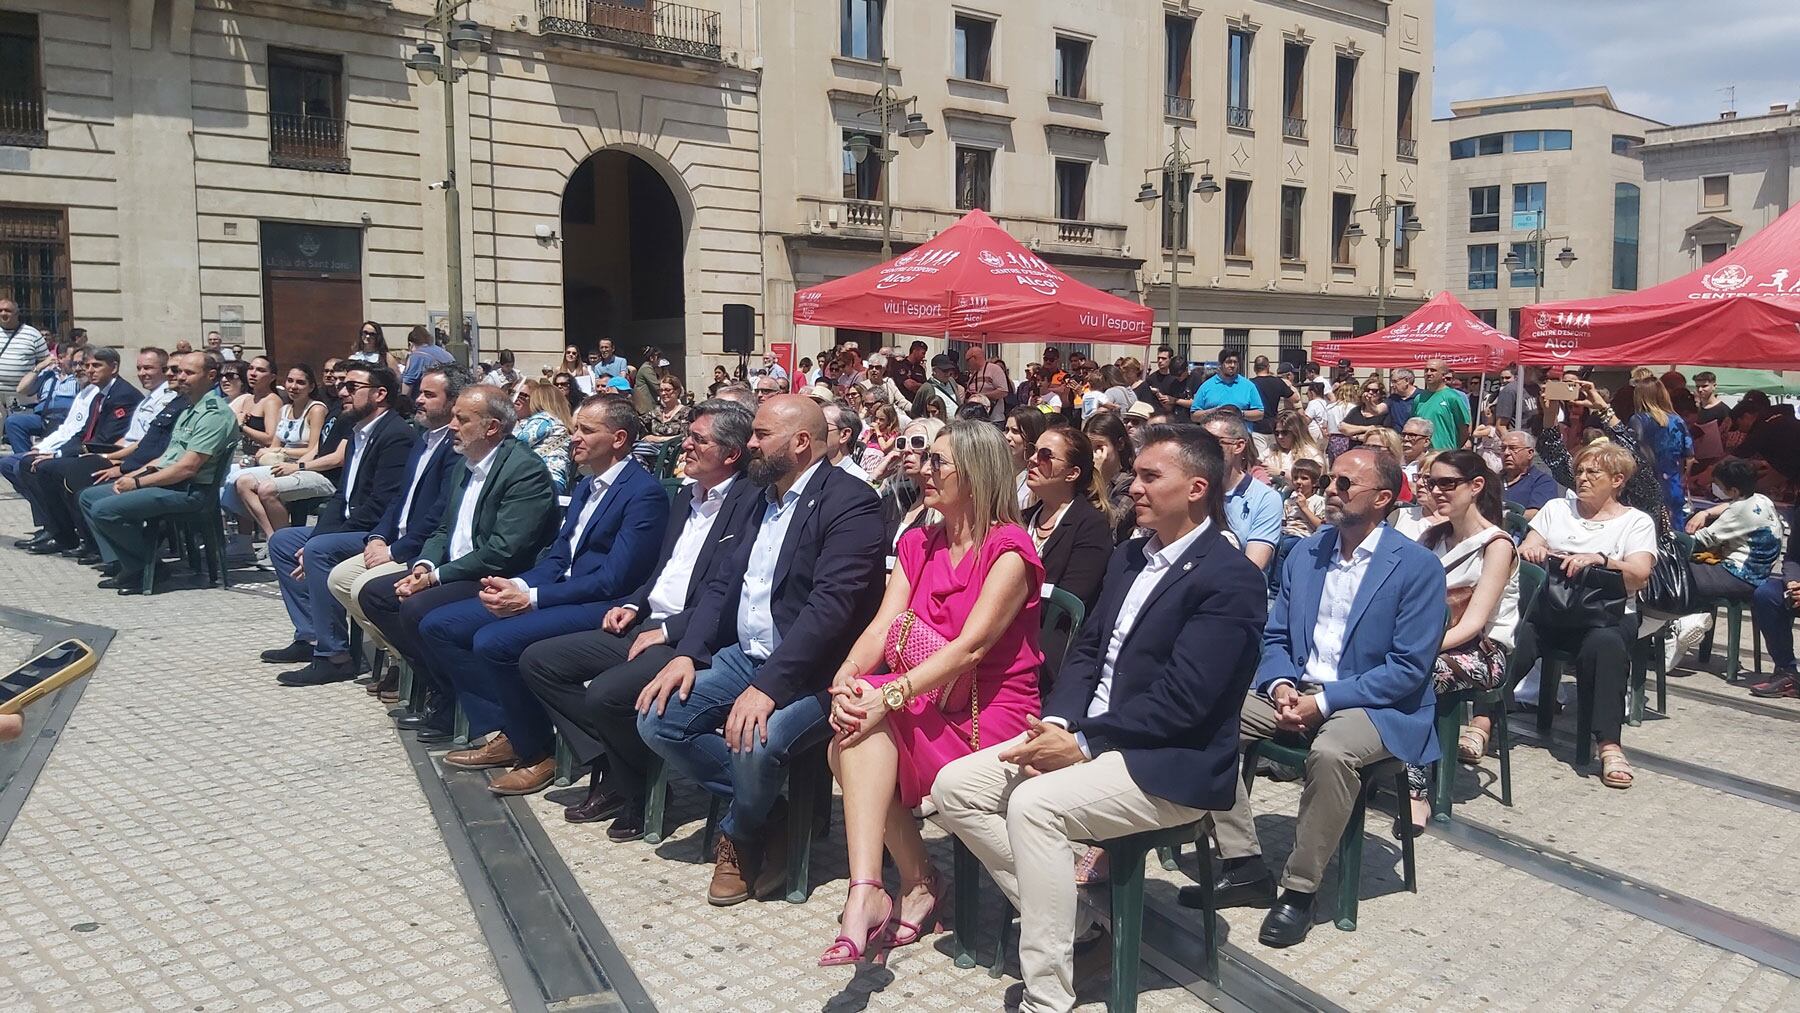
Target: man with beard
374,475
764,640
1346,664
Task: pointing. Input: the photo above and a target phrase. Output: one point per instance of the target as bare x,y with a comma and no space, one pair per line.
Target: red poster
784,355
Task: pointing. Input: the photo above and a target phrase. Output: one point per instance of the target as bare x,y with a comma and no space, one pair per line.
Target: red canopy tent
1740,310
973,281
1441,329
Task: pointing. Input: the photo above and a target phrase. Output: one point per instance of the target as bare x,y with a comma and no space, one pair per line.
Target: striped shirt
20,352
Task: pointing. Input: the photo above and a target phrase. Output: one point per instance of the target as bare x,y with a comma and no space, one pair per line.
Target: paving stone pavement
204,839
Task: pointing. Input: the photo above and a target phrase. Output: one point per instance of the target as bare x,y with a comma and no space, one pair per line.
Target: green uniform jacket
515,518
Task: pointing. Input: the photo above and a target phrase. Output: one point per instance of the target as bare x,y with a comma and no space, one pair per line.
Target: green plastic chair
203,524
565,762
1125,860
1452,710
1350,845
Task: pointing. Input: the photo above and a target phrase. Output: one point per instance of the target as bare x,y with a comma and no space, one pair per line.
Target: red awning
976,282
1441,329
1740,310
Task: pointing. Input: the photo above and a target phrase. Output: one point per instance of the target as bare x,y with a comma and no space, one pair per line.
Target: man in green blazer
501,513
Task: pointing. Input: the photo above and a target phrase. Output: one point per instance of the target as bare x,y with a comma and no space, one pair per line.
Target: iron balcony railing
1344,137
1237,116
1293,126
1407,147
650,24
1178,105
298,141
22,121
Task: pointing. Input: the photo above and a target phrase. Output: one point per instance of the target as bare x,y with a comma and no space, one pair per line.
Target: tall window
1625,236
1715,192
1293,89
1404,129
306,111
1237,218
1175,224
1237,339
1627,145
1527,271
974,45
1343,208
1071,190
1484,266
1403,213
1237,78
1710,252
1178,80
1528,205
1343,110
1293,204
859,28
974,178
1484,209
34,265
863,180
1071,67
21,90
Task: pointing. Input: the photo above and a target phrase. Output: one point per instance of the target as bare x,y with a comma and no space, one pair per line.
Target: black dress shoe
1244,882
78,551
106,569
430,717
322,672
48,547
435,736
120,583
25,543
1288,922
630,824
600,804
131,589
292,654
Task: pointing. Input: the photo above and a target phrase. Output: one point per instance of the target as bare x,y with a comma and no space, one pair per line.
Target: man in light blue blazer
1346,665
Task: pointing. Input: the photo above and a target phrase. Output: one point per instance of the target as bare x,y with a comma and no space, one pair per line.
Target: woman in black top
1369,412
1071,525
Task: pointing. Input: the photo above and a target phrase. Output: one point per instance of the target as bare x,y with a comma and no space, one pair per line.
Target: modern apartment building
1565,167
1710,186
627,168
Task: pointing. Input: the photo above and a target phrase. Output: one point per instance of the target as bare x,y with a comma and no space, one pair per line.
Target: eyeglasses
352,386
1414,436
1371,390
1436,484
915,442
1342,483
936,464
1045,456
368,334
564,384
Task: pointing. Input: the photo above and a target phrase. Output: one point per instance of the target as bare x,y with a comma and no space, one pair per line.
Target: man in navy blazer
1346,665
1140,731
764,640
638,637
100,413
373,477
606,547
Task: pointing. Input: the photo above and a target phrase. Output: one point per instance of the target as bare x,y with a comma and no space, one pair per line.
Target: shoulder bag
1592,599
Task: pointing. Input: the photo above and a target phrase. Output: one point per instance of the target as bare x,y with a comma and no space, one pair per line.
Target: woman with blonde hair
1343,402
1293,442
949,663
902,507
544,425
1663,437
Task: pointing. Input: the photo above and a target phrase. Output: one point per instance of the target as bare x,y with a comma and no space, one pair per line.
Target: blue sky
1666,59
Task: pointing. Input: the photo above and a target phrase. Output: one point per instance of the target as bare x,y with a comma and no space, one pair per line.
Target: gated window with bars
306,111
21,89
1237,339
34,266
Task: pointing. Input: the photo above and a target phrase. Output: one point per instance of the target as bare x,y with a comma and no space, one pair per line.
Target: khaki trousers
1021,828
347,580
1345,743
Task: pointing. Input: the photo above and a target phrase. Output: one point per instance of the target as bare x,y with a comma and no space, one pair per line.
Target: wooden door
310,318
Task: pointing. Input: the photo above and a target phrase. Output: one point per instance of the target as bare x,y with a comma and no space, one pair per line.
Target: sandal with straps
1471,745
844,950
1615,770
932,922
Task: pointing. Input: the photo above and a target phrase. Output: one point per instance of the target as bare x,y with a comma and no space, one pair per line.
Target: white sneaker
1688,631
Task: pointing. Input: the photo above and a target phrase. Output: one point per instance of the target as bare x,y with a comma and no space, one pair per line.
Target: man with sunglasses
1253,508
1346,664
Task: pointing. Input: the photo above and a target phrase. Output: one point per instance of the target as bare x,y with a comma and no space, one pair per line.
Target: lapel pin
1189,565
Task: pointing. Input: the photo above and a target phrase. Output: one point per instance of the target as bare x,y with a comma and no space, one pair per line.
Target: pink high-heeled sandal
844,950
932,921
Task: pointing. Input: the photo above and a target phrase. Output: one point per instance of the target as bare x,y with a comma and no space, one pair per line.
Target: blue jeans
687,737
479,653
318,618
21,427
1774,618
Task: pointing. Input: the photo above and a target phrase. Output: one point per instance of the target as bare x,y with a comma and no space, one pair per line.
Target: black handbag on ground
1670,586
1592,599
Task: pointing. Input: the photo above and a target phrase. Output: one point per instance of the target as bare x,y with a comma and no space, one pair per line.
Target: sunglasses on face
1342,483
1436,484
1045,456
915,442
936,464
352,386
368,334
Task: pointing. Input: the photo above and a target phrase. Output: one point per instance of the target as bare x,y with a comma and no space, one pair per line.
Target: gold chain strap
974,695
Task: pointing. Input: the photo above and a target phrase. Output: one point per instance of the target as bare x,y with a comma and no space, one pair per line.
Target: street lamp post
1384,208
465,39
1537,239
1174,167
882,106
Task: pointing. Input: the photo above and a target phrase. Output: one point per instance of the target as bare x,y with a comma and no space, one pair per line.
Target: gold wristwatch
893,695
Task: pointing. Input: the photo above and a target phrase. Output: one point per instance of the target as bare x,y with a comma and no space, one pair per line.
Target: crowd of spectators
846,566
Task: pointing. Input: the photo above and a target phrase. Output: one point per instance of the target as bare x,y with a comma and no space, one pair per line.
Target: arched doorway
624,235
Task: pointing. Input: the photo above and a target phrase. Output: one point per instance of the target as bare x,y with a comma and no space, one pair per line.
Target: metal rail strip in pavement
22,760
551,949
1749,705
1173,946
1693,773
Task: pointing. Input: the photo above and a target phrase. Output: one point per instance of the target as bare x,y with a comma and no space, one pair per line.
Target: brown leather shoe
496,753
731,875
526,778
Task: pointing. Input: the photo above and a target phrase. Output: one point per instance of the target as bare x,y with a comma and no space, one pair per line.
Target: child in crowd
1300,511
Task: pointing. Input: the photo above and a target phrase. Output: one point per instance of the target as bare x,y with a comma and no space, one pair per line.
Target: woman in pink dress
949,664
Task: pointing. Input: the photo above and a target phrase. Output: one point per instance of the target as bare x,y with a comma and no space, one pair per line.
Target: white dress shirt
669,594
73,423
849,467
462,533
148,408
602,482
433,440
361,442
1343,579
757,634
